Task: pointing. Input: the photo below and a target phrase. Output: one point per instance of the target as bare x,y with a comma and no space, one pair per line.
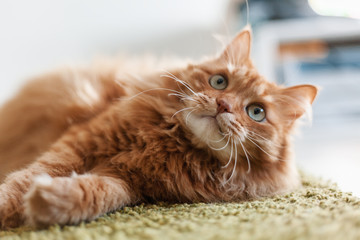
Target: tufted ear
293,102
238,50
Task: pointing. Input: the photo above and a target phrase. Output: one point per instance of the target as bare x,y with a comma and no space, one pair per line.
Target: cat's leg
69,200
44,109
55,163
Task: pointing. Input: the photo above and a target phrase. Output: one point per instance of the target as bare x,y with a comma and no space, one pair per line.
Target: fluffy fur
94,141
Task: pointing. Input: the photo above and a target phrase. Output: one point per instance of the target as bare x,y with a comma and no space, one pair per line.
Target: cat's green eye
218,82
256,112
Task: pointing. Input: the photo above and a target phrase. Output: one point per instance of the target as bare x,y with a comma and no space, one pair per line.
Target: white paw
50,201
43,180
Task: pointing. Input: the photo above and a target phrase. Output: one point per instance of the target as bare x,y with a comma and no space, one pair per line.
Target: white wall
38,35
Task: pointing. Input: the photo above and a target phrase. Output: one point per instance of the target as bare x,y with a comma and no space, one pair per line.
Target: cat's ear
238,51
295,101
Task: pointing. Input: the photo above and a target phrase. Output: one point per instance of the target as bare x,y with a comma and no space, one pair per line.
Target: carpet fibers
319,210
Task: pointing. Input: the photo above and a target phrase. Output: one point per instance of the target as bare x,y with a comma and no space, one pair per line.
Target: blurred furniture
324,51
271,35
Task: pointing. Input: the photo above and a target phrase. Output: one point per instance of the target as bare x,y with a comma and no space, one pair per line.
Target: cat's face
235,112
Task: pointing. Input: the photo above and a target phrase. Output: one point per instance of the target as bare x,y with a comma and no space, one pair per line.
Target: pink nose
223,106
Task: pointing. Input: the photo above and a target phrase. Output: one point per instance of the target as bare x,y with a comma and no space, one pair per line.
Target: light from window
342,8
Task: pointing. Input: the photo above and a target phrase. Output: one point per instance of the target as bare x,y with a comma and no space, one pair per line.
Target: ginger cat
90,141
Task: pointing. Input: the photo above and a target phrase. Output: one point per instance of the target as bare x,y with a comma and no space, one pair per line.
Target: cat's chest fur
154,152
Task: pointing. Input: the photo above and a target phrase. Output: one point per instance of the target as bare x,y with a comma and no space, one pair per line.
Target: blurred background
295,41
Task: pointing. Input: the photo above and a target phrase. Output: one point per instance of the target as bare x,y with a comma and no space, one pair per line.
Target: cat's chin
203,126
206,125
217,121
210,132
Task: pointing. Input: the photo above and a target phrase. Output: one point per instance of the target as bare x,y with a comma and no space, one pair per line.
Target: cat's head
235,113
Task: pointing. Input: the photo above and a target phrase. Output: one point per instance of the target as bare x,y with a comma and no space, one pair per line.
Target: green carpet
317,211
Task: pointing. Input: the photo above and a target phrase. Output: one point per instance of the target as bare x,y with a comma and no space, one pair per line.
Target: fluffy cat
93,142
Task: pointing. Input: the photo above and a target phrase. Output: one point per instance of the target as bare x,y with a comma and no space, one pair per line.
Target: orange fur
104,141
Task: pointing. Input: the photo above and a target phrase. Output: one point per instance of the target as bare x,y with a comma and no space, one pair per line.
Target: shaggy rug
317,211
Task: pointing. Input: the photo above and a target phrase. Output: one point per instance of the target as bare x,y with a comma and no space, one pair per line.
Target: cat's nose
223,106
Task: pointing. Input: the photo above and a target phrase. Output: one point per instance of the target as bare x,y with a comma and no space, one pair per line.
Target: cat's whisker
181,91
180,88
169,73
231,152
179,95
176,91
181,110
270,155
224,133
265,141
181,82
218,149
187,86
258,139
148,90
262,138
246,155
227,134
190,99
172,76
183,97
187,116
234,168
256,134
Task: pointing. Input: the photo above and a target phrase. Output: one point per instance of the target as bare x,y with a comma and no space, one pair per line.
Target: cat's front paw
50,201
11,220
10,208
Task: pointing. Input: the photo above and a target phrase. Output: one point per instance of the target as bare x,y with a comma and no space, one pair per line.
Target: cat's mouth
221,121
208,116
213,130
